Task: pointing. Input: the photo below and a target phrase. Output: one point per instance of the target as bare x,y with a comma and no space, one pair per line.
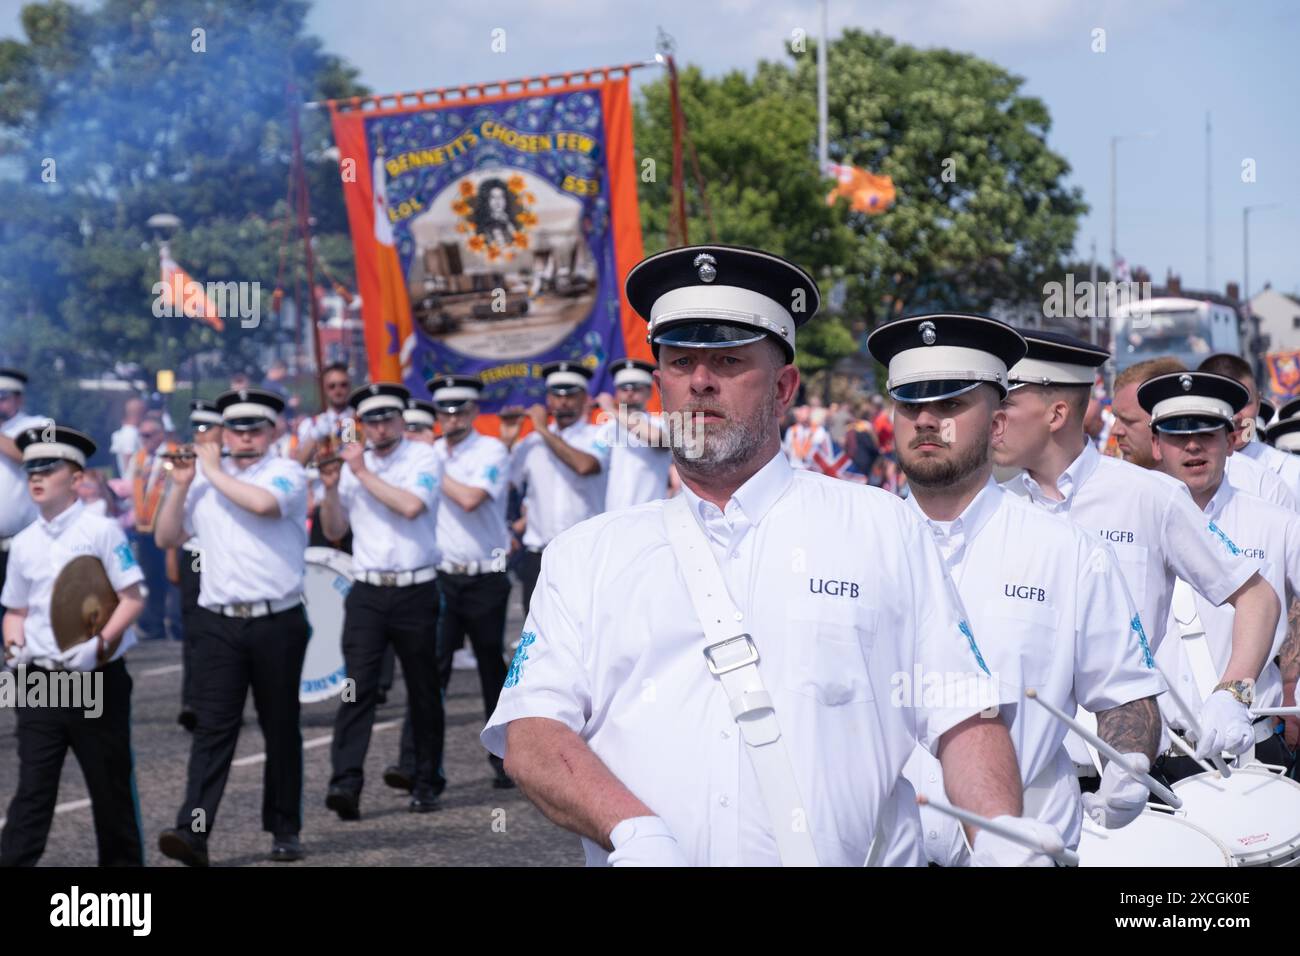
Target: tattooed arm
1288,660
1132,728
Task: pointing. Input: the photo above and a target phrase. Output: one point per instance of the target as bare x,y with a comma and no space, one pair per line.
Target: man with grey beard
640,711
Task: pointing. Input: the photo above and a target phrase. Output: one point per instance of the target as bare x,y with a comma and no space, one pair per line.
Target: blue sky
1167,62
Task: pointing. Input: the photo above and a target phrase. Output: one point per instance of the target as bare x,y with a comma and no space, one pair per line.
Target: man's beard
716,448
939,473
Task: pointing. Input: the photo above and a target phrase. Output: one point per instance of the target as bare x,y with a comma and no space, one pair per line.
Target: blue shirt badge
1227,542
521,654
1136,625
125,557
970,639
424,480
283,484
491,473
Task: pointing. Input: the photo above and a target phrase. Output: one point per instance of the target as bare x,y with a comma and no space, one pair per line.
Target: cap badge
243,394
1186,382
707,267
928,335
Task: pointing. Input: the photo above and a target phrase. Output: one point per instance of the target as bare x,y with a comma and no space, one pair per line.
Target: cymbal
82,601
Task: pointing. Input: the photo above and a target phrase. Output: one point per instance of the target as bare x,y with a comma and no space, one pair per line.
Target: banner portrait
493,235
1284,374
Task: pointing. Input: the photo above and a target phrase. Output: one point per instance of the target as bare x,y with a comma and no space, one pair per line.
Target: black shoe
285,849
188,719
399,779
344,802
426,801
179,845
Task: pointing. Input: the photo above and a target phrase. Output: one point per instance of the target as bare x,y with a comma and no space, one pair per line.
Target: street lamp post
1245,278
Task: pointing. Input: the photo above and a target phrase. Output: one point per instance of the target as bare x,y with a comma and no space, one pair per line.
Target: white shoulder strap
1195,643
733,659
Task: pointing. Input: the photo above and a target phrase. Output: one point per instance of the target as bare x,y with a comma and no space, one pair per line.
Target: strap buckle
388,579
723,658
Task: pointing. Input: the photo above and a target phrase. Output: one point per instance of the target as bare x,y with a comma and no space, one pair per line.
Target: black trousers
528,568
407,619
473,606
155,621
102,746
229,656
4,567
189,589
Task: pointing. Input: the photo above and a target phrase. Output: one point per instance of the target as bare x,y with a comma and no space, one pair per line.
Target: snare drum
1255,813
1155,838
326,584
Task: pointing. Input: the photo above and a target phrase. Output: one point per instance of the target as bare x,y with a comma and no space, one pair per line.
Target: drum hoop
1176,817
340,562
1283,849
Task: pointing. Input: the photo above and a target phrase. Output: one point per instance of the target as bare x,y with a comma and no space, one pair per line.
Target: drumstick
1064,856
1187,750
1109,752
1275,712
1192,723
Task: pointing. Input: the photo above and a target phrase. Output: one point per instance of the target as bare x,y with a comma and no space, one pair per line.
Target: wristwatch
1242,690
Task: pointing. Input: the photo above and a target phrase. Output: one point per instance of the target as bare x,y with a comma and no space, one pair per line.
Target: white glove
993,850
83,656
1120,799
644,841
1225,725
22,656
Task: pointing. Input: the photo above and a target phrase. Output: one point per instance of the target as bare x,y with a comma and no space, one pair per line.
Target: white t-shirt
1156,529
17,510
247,557
1052,613
612,649
558,497
1255,533
1283,464
1246,474
382,540
39,553
638,471
479,535
123,444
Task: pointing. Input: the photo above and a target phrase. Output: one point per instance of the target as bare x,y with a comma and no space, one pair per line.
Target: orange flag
179,290
866,192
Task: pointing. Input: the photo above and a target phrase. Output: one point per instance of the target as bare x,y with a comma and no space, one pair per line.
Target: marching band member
388,496
1133,435
54,459
1046,598
473,541
249,511
16,508
1149,518
564,466
419,418
615,724
1193,417
148,476
639,455
325,429
1248,439
205,426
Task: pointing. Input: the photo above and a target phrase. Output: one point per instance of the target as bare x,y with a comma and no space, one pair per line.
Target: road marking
63,807
156,671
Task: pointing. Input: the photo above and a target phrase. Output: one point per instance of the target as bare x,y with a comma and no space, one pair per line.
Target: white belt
248,609
733,659
472,567
396,579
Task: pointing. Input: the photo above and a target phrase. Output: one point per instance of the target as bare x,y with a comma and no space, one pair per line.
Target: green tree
110,115
982,214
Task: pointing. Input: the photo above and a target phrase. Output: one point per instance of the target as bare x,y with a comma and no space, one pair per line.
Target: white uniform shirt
479,535
123,444
1154,526
247,557
638,471
612,649
382,540
40,552
1257,534
1052,612
17,510
1246,474
1285,465
807,439
558,497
